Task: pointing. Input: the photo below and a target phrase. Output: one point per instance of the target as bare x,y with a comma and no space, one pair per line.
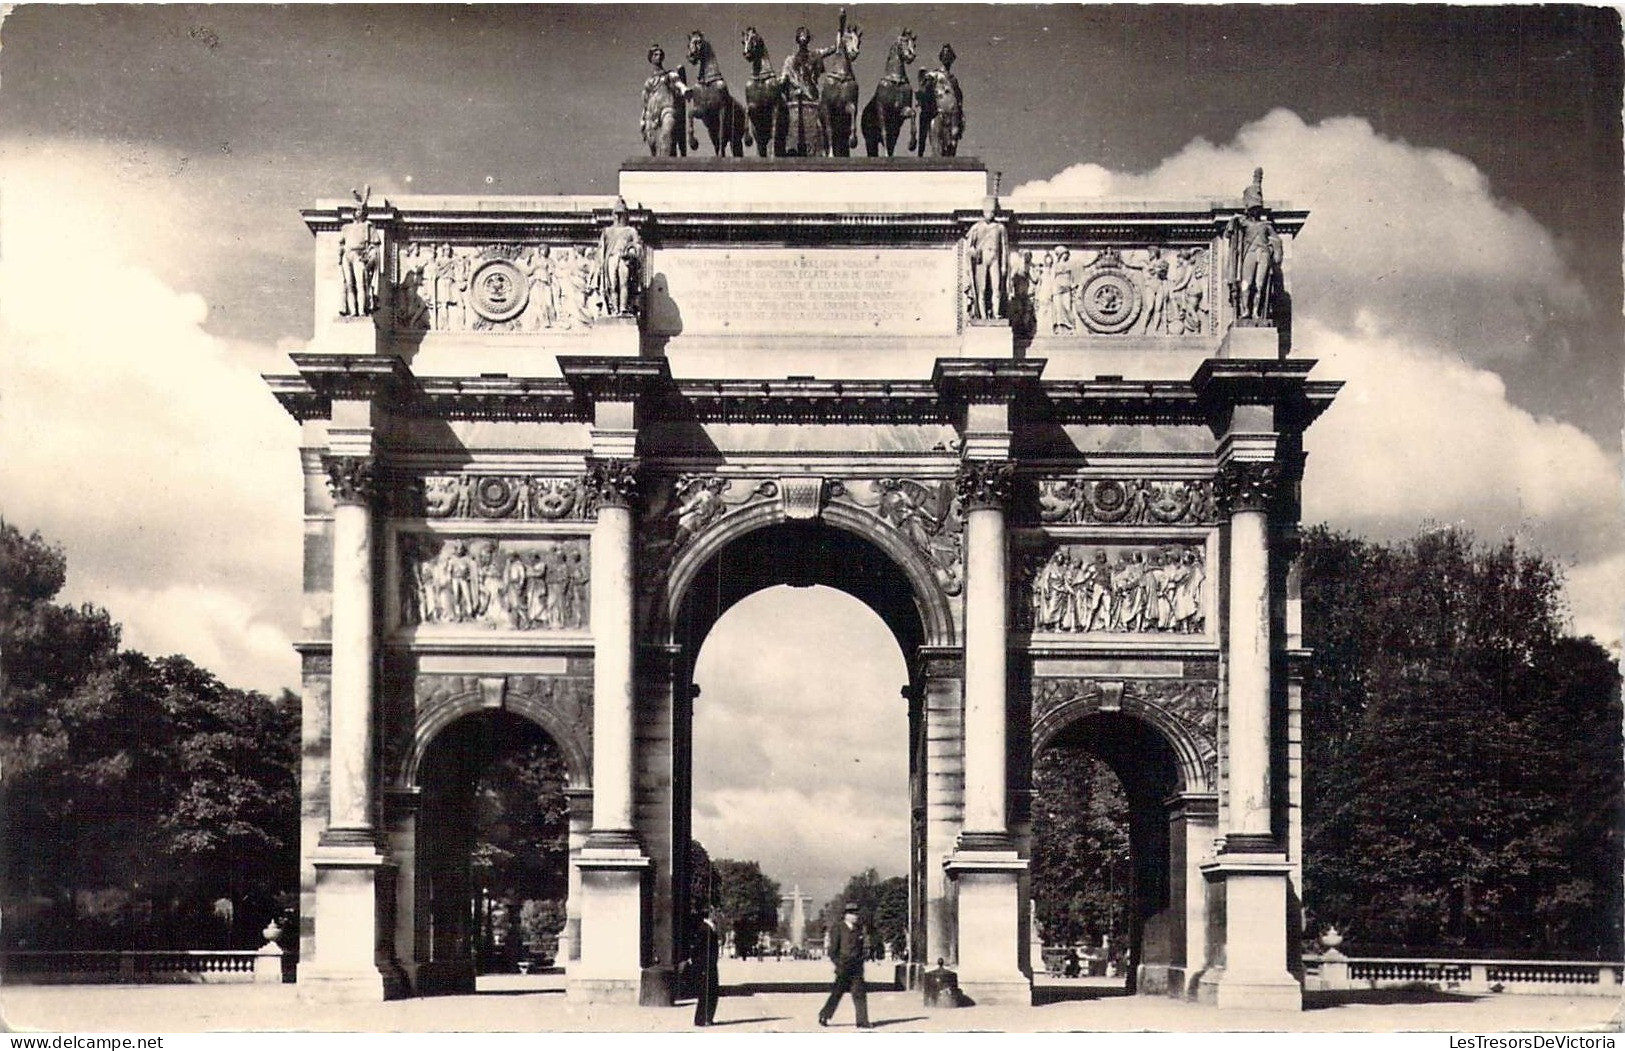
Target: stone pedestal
345,968
615,337
989,884
1251,340
989,339
609,968
1253,975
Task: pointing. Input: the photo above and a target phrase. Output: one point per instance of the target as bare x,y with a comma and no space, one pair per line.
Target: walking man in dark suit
848,949
707,951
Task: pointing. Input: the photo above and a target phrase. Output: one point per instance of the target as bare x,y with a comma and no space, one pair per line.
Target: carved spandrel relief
1067,291
1114,589
680,509
524,498
500,584
1126,502
497,288
1185,708
927,513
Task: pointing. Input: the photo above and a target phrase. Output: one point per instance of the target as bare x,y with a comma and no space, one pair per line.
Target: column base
1254,974
609,967
989,921
350,963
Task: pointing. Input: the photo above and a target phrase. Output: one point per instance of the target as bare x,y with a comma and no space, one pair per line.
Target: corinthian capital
351,479
1243,485
983,484
613,482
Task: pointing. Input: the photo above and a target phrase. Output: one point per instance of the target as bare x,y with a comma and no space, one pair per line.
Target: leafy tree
882,908
1462,772
145,790
747,902
1080,864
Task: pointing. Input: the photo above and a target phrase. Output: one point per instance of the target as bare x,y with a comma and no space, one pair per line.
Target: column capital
985,484
1246,485
352,479
613,481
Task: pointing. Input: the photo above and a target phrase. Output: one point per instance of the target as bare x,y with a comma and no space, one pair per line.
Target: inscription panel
788,291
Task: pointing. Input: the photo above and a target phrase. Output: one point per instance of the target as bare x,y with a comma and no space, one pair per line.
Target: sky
1461,270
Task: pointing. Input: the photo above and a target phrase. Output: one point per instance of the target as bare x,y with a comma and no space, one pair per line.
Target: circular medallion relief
1110,301
499,290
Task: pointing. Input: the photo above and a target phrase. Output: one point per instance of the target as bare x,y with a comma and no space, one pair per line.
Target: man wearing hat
848,948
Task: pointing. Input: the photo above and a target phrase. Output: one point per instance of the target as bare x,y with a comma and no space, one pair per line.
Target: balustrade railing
31,966
1539,977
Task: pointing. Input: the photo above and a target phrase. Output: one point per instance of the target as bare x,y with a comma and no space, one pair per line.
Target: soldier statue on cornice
1254,256
358,260
620,264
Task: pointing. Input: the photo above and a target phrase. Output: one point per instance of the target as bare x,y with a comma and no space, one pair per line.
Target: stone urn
272,932
1331,940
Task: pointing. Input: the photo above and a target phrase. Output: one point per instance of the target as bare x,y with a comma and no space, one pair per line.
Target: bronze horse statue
942,112
764,96
838,91
893,102
710,102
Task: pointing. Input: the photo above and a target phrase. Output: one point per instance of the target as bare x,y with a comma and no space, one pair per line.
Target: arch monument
1052,443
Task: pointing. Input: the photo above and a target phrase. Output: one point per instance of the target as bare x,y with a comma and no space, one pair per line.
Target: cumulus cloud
149,448
1412,282
801,739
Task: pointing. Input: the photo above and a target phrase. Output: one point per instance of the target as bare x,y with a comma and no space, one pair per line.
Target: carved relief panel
1073,291
1126,501
441,287
926,512
1145,590
528,584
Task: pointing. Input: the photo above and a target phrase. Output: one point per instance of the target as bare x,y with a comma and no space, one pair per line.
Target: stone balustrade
1536,977
154,967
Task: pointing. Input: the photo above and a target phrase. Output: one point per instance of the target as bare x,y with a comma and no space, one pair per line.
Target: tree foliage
747,902
882,908
137,792
1462,766
1081,875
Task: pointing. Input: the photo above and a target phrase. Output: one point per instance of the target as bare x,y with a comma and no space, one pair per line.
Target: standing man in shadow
848,949
707,984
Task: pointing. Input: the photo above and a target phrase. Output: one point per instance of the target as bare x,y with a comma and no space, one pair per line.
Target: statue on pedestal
1254,256
988,247
358,260
620,265
663,107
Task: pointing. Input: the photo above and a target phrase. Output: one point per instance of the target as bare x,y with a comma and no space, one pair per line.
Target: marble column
347,860
1251,871
985,864
611,864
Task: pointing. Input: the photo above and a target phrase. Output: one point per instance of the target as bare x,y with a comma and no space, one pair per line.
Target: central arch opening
801,742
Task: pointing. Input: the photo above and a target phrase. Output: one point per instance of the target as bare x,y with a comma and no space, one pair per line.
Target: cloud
1412,282
148,448
801,739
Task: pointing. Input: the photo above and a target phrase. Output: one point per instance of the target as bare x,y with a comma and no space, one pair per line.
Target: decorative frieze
1072,291
497,287
501,584
1116,589
1126,502
351,479
1243,485
523,498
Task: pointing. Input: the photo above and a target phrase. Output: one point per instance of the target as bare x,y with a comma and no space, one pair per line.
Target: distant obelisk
797,902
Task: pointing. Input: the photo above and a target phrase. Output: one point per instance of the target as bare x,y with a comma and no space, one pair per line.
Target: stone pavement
529,1005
